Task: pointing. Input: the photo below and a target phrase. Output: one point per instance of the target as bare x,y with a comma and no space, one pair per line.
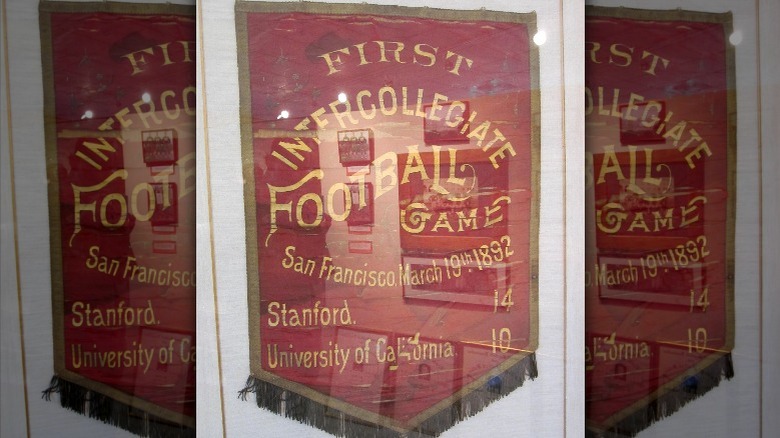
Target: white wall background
769,87
770,162
540,407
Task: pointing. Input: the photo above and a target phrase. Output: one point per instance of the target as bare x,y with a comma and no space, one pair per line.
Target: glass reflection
121,147
660,148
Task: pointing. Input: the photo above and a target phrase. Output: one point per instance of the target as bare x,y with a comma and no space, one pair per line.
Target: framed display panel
312,75
122,233
161,147
356,147
661,141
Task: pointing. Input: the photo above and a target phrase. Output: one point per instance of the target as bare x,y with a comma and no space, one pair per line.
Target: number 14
702,301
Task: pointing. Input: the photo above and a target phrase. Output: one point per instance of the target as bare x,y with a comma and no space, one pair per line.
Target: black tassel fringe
691,388
106,409
304,410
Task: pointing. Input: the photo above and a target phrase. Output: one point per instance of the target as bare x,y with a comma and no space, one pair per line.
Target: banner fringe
691,388
104,408
297,407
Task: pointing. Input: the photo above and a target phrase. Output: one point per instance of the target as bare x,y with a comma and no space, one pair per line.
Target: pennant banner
660,142
120,121
391,190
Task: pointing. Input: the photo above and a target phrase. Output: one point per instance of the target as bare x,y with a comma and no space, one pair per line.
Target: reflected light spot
735,38
540,38
87,115
342,97
146,97
283,115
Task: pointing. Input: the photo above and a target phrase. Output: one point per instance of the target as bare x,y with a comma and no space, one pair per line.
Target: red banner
120,122
660,141
391,167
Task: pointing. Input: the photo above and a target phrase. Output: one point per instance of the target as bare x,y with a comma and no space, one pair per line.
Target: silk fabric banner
660,142
391,186
120,99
